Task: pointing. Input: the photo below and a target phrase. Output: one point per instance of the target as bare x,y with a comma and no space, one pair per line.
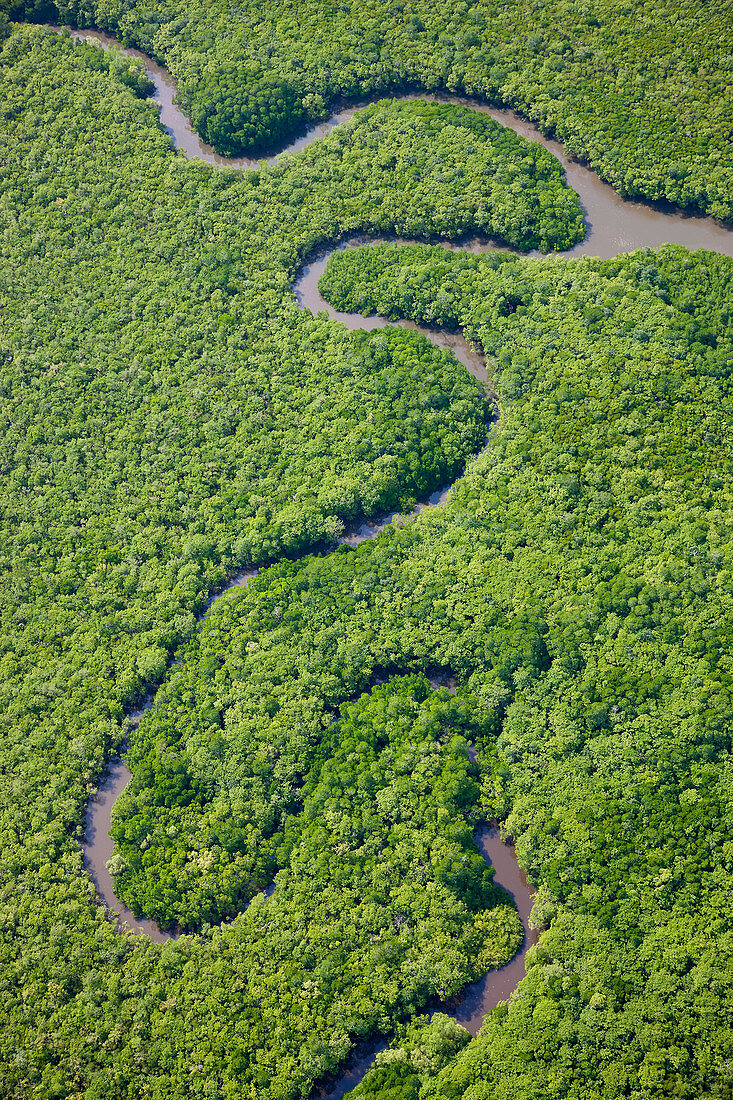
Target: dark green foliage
578,582
169,414
642,94
252,777
35,11
239,108
367,891
490,179
152,443
129,71
419,1050
607,493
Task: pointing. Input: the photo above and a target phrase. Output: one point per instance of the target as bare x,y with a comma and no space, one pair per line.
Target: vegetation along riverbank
642,95
172,415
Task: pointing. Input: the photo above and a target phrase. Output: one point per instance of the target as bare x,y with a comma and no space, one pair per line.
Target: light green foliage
383,901
642,94
419,1050
603,504
169,414
226,759
487,177
578,582
128,70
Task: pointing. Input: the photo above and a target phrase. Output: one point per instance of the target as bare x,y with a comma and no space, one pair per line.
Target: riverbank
613,225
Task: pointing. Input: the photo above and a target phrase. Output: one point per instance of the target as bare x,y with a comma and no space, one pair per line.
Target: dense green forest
419,1050
170,415
601,519
578,583
642,94
382,899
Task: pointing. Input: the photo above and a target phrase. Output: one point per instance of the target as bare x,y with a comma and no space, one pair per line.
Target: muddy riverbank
309,297
471,1007
614,225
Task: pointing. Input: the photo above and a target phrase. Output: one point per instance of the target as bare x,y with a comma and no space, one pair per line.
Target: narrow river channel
613,226
475,1001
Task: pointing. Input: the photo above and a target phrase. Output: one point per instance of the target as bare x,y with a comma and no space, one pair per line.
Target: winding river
613,226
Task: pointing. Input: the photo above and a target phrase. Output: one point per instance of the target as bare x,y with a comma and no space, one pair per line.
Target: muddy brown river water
476,999
613,225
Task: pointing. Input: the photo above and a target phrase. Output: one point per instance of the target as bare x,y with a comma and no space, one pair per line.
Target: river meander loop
613,226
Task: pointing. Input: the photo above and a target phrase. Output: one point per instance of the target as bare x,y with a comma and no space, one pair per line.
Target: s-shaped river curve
613,225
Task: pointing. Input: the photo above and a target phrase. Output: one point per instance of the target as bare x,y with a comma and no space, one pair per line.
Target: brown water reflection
497,985
481,996
309,297
614,224
98,847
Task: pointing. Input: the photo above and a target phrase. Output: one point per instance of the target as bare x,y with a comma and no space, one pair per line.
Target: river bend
613,226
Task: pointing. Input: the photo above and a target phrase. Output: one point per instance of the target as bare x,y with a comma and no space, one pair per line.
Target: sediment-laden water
613,225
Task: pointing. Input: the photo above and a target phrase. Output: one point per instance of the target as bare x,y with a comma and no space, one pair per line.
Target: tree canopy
170,415
642,95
